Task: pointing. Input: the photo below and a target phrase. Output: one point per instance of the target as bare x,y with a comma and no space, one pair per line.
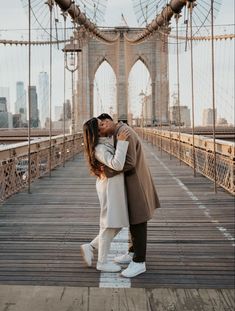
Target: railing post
232,174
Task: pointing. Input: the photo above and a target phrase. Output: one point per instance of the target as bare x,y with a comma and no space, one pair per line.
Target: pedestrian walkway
190,243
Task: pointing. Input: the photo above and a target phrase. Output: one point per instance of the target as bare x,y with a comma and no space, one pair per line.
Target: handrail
225,154
14,160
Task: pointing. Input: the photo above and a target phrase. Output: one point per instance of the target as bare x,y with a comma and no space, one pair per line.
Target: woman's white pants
102,242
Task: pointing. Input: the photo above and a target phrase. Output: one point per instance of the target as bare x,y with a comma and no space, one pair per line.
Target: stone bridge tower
121,55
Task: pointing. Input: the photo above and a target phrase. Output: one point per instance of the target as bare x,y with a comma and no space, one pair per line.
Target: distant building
3,104
20,104
43,97
58,113
222,121
4,92
66,109
147,110
34,107
180,114
59,125
17,121
207,116
5,119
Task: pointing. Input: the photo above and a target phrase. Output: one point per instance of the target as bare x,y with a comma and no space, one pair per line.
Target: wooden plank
189,300
103,299
28,298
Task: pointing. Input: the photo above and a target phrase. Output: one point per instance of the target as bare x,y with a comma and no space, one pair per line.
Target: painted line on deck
195,199
119,246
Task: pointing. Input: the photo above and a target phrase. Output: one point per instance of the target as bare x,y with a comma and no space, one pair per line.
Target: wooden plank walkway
51,298
189,240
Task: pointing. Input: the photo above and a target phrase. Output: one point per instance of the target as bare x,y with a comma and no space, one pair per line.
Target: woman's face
106,127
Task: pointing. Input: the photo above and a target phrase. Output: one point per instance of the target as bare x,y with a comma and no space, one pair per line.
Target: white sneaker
108,267
87,254
126,258
134,269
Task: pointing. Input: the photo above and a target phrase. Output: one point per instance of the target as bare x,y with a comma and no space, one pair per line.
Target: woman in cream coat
111,191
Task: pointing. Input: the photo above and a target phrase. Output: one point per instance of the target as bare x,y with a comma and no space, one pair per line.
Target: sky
13,63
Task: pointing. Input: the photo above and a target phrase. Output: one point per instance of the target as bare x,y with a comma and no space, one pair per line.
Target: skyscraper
180,112
43,97
5,117
4,92
58,112
3,104
20,104
207,116
34,106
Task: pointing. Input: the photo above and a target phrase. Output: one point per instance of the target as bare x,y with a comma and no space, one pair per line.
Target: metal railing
204,157
14,161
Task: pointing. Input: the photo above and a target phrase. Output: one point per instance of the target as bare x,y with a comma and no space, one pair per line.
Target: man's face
106,127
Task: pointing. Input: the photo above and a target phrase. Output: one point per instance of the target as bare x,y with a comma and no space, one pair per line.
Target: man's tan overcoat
141,193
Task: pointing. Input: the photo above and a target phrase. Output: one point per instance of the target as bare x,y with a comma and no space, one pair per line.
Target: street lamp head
71,50
142,93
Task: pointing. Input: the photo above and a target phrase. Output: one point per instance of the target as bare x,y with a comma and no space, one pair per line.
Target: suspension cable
178,84
213,90
161,96
64,150
50,4
192,86
29,100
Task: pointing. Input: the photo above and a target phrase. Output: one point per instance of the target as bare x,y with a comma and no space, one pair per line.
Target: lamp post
71,64
142,95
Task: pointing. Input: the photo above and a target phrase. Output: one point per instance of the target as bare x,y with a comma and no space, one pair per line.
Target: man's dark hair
104,116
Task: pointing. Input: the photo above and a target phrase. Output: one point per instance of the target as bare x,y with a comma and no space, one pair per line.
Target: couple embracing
126,193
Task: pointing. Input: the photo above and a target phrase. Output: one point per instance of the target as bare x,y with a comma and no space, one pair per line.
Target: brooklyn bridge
170,77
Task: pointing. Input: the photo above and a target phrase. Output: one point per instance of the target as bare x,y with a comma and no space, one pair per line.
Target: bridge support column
83,102
161,84
121,81
153,102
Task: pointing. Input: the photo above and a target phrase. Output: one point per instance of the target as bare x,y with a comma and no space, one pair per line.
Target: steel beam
174,7
162,19
79,17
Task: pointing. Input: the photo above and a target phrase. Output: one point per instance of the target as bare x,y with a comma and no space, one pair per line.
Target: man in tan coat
141,195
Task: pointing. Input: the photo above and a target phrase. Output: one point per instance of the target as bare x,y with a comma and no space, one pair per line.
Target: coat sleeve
130,162
114,161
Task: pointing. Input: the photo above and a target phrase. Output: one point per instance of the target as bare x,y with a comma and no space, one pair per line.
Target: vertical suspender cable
73,95
213,90
29,101
169,120
192,86
72,76
64,149
167,60
50,100
178,85
160,107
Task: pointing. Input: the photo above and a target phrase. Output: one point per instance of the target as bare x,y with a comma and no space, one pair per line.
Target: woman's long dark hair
91,138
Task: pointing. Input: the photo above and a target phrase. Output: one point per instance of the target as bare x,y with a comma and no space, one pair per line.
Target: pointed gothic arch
142,59
100,61
103,101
